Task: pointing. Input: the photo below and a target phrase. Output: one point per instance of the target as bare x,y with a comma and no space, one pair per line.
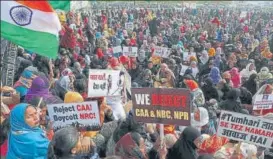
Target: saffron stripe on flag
39,5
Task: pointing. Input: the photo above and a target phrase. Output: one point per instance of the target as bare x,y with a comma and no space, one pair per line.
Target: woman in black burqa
185,148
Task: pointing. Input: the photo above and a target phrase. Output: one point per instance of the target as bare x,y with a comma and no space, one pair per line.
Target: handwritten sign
263,101
103,83
243,14
162,52
161,105
84,116
246,128
183,69
158,51
129,26
188,55
117,49
130,51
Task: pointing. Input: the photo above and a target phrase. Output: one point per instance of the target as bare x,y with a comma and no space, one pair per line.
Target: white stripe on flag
40,21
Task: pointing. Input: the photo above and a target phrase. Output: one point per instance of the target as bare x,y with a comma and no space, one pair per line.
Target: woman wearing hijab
218,62
251,84
248,71
215,75
131,146
204,58
232,102
209,90
26,140
235,77
24,83
40,88
135,71
184,148
264,74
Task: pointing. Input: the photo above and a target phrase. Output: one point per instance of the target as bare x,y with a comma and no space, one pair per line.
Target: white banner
117,49
84,116
243,14
246,128
187,55
129,26
263,101
130,51
103,83
183,69
162,52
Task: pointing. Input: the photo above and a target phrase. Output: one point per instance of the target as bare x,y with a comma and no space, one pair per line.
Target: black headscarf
251,84
233,102
184,148
209,90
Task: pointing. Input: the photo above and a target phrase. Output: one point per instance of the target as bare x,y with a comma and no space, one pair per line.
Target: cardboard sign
243,14
166,52
162,52
129,26
130,51
263,101
186,56
103,83
183,69
161,105
246,128
84,116
117,49
158,51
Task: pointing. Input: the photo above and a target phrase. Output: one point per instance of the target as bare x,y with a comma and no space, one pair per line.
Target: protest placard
125,50
158,51
84,116
162,52
243,14
263,101
166,52
129,26
103,83
187,55
183,69
161,105
130,51
246,128
117,49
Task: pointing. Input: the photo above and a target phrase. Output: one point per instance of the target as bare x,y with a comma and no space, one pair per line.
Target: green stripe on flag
39,42
62,5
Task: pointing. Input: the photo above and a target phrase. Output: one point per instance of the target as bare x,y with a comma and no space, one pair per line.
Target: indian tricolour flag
31,24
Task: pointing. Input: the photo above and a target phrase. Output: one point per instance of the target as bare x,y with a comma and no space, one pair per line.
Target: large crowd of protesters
222,55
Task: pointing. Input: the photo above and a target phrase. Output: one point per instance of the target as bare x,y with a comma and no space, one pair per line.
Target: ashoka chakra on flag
21,15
